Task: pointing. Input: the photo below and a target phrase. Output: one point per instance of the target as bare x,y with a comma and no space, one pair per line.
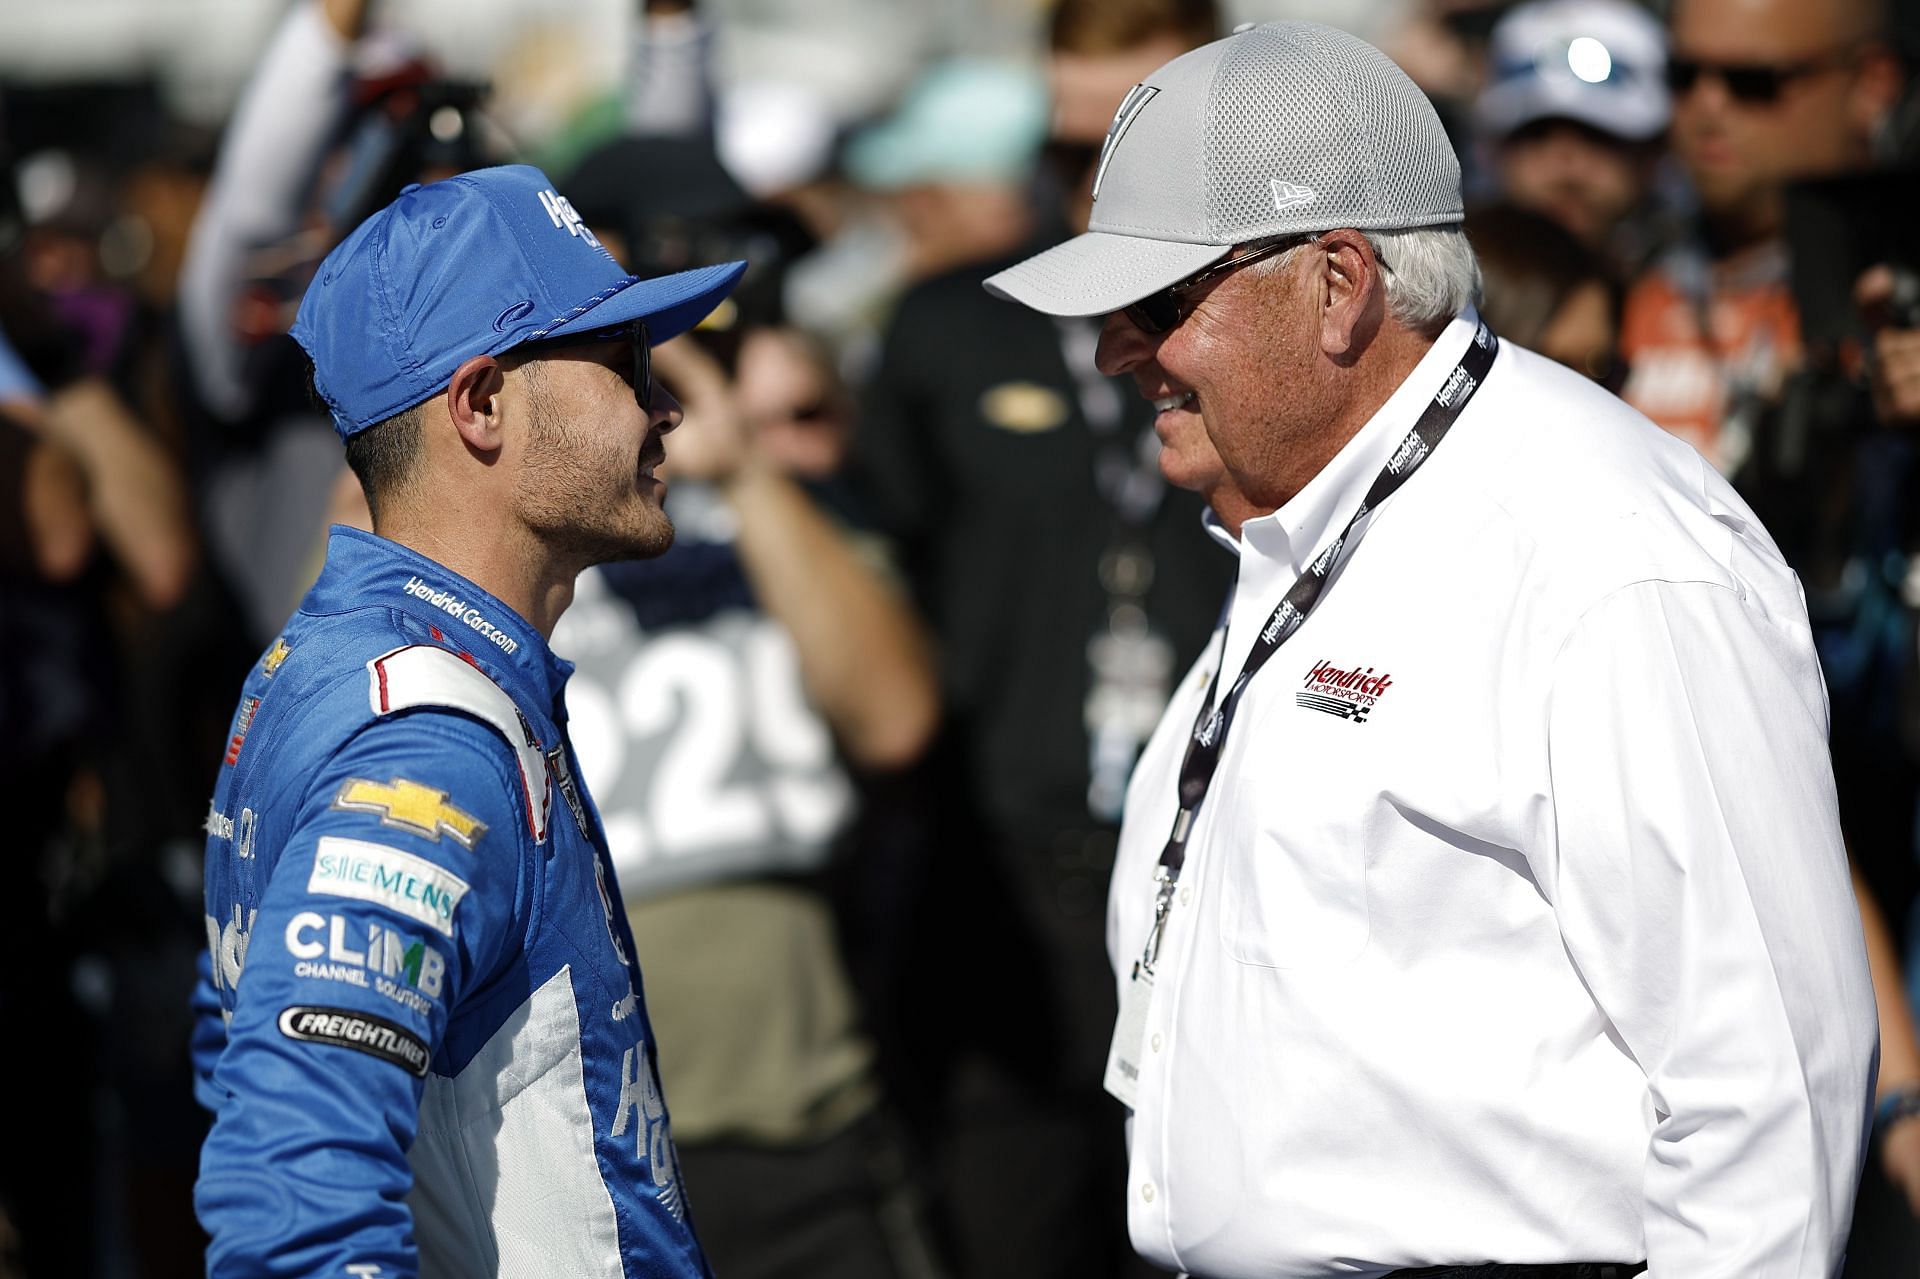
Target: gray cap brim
1099,272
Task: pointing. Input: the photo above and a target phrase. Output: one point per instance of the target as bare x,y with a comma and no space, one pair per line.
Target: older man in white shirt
1504,925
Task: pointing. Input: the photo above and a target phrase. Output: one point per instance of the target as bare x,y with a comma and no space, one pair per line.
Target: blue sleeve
209,1030
399,891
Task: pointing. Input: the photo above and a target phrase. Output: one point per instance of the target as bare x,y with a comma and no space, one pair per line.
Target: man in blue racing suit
421,1032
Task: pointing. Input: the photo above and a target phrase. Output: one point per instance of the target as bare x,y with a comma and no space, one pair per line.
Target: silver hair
1432,273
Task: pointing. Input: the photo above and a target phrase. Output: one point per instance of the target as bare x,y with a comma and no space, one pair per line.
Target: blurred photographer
332,125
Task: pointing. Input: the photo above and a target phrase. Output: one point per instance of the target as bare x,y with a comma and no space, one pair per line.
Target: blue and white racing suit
421,1034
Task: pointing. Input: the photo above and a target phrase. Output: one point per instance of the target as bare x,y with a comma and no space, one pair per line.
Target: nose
1122,345
664,412
1707,95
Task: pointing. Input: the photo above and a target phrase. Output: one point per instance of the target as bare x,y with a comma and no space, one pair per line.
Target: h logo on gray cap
1137,97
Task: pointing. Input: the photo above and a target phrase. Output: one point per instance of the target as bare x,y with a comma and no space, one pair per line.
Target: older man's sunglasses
1161,312
1753,83
634,333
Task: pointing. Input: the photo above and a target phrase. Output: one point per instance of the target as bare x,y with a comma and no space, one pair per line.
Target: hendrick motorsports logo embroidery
362,1032
1350,694
561,213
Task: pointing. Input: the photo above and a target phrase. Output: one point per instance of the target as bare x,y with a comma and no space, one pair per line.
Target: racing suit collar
363,568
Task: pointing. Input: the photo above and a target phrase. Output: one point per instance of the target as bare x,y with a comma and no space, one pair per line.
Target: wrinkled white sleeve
268,161
1701,887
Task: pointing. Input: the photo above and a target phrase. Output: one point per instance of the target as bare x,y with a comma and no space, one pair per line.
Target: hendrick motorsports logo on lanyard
1212,724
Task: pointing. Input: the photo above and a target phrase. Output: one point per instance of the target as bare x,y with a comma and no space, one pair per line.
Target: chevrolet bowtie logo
411,806
275,655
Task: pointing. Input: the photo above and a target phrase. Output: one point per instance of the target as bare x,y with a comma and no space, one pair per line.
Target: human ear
1354,290
1877,85
473,402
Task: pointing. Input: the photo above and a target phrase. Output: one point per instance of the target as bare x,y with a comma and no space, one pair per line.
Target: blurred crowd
861,737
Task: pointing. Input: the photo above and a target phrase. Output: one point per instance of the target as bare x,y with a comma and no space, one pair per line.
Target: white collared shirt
1517,924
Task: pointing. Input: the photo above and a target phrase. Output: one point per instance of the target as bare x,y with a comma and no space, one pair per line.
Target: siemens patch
388,877
362,1032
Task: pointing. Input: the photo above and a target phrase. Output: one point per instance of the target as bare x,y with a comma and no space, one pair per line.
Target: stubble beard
568,505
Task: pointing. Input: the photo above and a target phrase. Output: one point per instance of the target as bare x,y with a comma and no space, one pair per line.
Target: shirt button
1146,1191
1155,1041
1186,895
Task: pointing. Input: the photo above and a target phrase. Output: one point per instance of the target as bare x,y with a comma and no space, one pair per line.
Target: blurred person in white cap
1576,109
1480,906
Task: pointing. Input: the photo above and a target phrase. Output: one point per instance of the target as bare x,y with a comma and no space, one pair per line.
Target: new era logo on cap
1288,196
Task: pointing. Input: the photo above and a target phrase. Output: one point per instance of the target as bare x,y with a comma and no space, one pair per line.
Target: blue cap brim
670,304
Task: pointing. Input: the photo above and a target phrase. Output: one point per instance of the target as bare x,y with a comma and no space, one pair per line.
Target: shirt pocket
1293,886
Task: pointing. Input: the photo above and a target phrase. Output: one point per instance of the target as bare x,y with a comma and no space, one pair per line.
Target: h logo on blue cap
562,213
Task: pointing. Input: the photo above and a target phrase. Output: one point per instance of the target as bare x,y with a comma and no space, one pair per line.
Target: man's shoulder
332,679
1601,496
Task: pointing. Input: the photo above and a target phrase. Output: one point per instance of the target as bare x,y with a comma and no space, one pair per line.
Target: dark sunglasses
1160,312
635,333
1754,83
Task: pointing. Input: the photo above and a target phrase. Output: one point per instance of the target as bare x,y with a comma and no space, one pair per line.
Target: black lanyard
1210,725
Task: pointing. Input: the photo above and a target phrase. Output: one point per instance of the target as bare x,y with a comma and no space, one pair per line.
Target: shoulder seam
425,675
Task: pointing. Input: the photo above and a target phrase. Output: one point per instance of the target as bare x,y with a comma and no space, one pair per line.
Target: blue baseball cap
474,265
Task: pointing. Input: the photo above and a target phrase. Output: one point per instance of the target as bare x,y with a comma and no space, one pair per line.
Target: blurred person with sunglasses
1067,584
1764,92
1480,909
1575,112
421,1032
1767,93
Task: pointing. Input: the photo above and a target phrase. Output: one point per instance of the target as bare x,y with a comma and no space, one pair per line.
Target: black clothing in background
979,461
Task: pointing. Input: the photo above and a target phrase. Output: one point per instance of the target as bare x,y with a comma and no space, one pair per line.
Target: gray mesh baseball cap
1277,129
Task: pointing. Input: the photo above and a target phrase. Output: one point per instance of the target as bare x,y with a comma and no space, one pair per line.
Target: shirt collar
1217,531
363,569
1291,536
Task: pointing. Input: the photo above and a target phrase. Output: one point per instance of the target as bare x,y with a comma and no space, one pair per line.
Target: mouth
650,458
1168,403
